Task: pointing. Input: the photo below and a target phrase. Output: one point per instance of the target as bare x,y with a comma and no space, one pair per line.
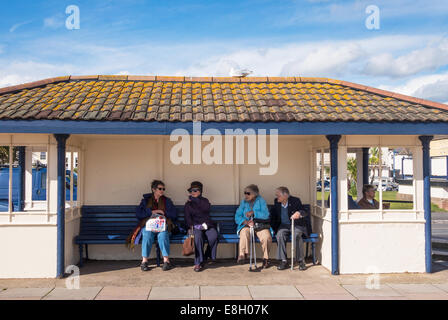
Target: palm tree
4,155
374,162
352,170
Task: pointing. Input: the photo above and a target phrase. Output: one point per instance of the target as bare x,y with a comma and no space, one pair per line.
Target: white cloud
350,60
428,58
54,22
431,87
17,72
361,58
18,25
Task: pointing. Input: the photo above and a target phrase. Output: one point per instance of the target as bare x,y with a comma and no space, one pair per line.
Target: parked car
326,185
387,184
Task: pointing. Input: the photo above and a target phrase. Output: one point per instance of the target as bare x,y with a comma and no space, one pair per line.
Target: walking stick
252,249
293,240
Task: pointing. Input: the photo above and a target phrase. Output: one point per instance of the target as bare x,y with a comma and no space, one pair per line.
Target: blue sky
408,54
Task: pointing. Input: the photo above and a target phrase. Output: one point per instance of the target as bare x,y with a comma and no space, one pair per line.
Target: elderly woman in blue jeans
253,206
156,203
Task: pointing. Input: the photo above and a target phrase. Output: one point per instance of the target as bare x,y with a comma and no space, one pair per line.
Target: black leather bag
261,224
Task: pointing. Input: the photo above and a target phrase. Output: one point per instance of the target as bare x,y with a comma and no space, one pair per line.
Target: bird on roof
240,73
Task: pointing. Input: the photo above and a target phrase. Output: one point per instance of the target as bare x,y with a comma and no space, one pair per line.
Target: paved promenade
101,280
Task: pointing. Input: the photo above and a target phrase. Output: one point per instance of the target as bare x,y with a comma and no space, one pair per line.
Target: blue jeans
163,238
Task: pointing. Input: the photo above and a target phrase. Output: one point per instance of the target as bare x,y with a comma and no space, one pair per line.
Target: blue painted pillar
365,166
427,199
334,140
21,185
61,139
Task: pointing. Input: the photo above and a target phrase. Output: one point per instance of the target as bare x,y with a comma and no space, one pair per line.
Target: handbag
157,223
261,224
188,245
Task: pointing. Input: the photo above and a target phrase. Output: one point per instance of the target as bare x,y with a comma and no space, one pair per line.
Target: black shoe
266,264
302,266
283,265
144,266
212,262
198,268
167,266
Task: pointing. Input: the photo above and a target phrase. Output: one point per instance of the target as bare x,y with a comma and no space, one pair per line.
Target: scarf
152,204
156,205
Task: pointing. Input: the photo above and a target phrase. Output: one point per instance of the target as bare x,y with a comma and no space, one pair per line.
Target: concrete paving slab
415,288
383,298
270,292
85,293
24,293
225,293
427,296
321,289
345,296
443,286
174,293
123,293
359,290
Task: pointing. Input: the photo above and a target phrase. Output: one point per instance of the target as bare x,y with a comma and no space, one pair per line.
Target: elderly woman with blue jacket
253,206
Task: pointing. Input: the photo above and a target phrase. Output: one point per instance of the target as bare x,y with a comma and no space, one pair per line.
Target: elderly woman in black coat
197,217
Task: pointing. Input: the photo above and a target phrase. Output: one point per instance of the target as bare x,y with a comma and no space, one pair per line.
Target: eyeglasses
247,193
194,190
161,189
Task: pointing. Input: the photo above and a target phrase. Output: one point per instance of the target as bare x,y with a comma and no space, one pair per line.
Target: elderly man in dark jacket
287,207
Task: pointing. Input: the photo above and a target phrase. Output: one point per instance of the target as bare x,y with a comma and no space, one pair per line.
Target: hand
249,213
296,215
250,223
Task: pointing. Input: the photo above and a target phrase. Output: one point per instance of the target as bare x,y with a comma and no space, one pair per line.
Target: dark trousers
283,235
200,236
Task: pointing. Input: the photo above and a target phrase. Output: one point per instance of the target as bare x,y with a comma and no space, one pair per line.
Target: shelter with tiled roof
100,140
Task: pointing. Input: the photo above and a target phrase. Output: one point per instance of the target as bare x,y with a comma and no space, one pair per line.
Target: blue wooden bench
113,224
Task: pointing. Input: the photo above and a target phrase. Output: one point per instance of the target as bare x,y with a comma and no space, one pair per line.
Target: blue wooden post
365,166
21,185
334,139
61,139
427,200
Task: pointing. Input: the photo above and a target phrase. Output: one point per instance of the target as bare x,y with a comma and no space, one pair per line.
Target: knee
281,236
266,240
146,235
244,232
212,236
165,236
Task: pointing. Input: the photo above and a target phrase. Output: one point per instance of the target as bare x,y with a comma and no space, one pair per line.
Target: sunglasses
247,193
194,190
161,189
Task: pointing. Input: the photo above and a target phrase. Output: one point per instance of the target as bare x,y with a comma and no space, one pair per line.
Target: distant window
43,156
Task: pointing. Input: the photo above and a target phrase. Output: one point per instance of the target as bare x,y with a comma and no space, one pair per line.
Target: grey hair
283,190
253,188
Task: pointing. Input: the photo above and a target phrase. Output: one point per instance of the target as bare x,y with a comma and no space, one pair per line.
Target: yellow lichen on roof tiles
90,94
